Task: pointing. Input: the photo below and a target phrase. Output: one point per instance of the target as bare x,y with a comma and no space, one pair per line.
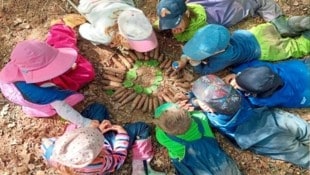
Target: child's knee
96,111
141,130
144,128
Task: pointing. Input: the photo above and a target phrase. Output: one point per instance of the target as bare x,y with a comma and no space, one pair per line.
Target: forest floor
20,136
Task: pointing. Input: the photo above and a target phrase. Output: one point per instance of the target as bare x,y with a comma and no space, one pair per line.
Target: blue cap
206,42
175,10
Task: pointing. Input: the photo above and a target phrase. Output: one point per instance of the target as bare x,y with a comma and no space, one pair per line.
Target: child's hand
73,20
105,126
94,124
204,107
179,65
185,105
119,129
180,96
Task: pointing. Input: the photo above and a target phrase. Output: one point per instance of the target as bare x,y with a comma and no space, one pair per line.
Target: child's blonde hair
174,121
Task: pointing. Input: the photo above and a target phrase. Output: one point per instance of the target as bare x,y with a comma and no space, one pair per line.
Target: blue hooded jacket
242,47
296,77
270,132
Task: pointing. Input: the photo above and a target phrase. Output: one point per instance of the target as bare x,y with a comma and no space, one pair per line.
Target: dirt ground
20,135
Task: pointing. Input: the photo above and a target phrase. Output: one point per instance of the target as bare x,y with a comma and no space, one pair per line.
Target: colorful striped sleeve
110,159
117,153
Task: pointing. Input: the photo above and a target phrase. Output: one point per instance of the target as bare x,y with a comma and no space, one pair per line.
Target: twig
45,5
73,5
61,7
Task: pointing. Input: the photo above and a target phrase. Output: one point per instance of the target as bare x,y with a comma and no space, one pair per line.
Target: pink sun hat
137,29
35,61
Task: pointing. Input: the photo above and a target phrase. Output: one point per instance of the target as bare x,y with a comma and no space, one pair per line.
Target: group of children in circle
266,62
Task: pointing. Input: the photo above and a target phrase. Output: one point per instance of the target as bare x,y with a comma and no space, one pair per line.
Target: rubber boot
306,34
299,23
283,28
142,155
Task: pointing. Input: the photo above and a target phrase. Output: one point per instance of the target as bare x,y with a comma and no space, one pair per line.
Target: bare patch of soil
146,76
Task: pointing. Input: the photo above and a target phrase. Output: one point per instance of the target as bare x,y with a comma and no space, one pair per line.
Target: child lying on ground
190,142
213,48
41,73
280,84
92,150
117,24
184,18
265,131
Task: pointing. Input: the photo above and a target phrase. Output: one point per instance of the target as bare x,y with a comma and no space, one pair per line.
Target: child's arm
62,36
211,66
120,146
61,33
68,113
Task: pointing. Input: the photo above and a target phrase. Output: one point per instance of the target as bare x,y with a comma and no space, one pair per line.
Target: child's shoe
283,28
306,34
299,23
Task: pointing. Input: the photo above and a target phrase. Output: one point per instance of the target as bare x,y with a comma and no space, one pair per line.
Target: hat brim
62,63
208,41
258,83
196,56
144,45
193,50
10,73
169,23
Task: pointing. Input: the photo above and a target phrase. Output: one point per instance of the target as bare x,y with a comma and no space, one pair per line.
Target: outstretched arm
68,113
211,66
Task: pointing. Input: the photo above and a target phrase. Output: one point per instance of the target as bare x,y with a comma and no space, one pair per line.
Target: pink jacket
59,36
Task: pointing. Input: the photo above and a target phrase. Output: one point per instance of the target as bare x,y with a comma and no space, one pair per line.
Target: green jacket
177,150
197,21
274,47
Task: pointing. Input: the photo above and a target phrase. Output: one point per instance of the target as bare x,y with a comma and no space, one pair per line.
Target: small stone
40,172
11,125
24,25
4,110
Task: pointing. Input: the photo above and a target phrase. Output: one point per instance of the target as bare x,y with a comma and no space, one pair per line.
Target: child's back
191,143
